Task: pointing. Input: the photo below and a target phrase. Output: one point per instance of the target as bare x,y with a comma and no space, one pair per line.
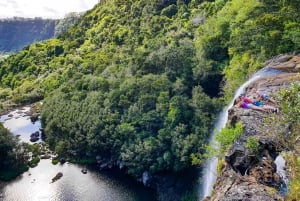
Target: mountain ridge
18,32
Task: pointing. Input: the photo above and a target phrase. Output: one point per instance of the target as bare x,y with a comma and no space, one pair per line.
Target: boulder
265,173
34,117
34,136
57,177
84,170
62,160
45,156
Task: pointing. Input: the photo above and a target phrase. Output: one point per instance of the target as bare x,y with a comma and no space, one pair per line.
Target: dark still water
35,184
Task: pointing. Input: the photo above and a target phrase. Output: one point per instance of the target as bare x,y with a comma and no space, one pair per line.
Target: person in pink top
247,103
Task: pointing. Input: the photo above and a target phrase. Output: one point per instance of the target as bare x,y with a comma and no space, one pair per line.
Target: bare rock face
264,172
249,175
238,187
287,63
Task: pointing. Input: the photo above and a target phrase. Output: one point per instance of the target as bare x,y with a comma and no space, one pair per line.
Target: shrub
252,144
9,174
294,172
290,103
34,162
54,161
227,136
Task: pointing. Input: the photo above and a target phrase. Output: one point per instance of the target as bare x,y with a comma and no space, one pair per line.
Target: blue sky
43,8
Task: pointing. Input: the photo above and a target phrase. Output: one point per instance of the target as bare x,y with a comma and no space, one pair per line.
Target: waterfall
281,171
209,174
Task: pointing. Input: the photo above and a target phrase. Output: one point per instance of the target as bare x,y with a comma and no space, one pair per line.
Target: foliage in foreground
294,170
227,136
290,102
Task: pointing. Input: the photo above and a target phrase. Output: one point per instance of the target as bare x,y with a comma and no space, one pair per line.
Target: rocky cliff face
251,174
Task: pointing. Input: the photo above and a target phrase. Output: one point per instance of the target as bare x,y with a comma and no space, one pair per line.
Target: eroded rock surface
248,175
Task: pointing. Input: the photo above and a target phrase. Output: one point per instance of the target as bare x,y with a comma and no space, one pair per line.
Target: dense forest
142,81
16,33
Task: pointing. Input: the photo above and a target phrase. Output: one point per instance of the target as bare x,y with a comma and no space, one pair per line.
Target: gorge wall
248,175
16,33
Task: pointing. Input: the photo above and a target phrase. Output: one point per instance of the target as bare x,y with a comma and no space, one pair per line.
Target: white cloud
43,8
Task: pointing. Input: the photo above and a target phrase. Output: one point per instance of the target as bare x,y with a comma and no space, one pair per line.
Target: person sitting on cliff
261,96
247,103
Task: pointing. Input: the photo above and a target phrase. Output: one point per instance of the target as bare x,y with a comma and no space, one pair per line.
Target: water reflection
35,184
19,123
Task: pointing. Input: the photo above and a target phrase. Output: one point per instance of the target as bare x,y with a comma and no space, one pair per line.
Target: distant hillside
16,33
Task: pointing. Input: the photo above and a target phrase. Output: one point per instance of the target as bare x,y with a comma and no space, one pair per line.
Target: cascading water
209,174
281,171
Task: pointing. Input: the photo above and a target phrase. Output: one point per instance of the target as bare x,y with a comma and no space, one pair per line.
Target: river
35,184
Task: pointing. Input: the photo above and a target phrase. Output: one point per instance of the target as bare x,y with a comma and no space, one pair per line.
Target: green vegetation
294,170
290,103
252,144
220,166
227,136
13,156
242,34
65,23
35,149
34,162
12,173
134,97
190,196
86,161
139,81
54,161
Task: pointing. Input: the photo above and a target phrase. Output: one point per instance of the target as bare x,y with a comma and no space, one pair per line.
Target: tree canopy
139,81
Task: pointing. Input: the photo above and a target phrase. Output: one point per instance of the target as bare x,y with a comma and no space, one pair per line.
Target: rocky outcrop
286,63
34,117
35,136
233,186
57,177
250,175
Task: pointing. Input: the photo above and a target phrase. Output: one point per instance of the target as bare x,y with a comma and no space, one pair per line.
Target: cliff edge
249,172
